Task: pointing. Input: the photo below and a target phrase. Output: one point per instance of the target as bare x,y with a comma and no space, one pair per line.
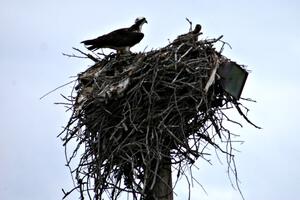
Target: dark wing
117,39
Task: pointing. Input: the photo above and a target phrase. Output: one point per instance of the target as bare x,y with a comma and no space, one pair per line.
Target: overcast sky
264,35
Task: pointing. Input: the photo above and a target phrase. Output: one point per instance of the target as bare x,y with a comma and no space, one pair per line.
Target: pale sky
264,35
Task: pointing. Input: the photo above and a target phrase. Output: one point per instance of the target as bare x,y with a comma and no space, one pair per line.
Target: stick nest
132,112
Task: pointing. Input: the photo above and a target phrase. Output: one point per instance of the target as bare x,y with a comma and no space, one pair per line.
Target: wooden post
163,187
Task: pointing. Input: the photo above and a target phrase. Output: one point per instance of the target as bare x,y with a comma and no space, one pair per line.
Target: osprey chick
121,39
191,36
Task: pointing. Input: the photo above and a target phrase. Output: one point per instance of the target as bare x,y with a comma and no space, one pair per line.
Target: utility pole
163,188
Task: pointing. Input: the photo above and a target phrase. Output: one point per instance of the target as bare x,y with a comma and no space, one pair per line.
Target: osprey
191,36
121,39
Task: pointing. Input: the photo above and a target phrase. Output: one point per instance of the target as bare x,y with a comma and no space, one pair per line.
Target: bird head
139,22
197,29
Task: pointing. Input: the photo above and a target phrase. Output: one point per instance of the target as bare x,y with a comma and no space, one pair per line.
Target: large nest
133,113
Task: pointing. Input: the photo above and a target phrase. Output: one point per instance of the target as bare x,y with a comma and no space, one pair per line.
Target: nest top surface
114,74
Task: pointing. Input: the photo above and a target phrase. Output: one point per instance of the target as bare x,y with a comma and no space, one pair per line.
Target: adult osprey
121,39
191,36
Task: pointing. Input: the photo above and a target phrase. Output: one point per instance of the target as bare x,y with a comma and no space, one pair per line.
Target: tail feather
90,44
87,42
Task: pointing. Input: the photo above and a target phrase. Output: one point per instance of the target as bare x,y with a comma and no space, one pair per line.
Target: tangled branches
136,114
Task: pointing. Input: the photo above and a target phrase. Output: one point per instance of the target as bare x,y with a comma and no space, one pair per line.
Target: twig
191,24
244,116
57,89
86,54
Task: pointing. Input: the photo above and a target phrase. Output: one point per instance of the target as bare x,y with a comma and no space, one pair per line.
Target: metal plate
233,78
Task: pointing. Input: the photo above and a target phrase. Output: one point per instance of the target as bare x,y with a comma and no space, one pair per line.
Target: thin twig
57,89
